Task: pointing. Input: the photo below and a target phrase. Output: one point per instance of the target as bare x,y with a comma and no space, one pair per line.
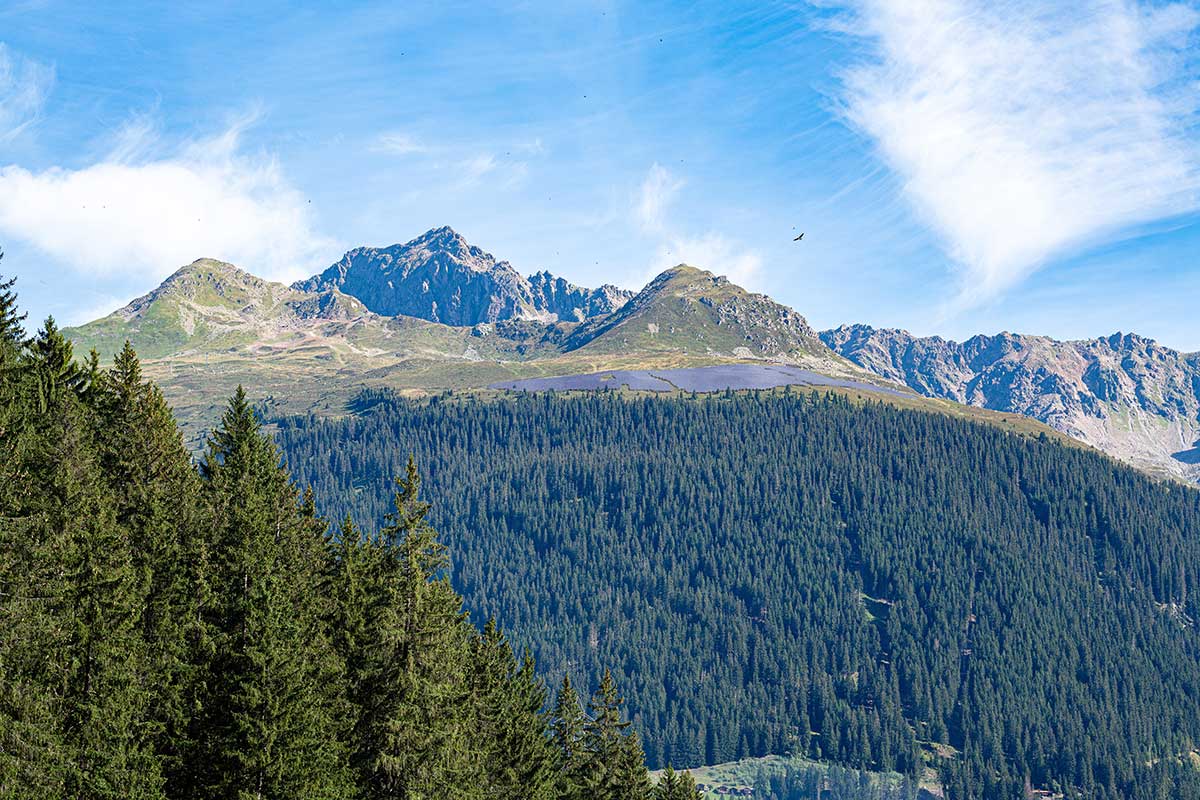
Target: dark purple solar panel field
692,379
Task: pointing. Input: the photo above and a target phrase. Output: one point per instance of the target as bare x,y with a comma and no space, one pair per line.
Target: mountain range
1124,394
437,313
440,277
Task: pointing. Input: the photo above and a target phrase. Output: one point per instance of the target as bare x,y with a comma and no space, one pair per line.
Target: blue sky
958,166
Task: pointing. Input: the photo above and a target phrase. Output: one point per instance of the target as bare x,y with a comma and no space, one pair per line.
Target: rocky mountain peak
441,277
686,310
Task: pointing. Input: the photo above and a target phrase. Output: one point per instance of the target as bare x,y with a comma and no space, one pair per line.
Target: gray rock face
568,302
1124,393
440,277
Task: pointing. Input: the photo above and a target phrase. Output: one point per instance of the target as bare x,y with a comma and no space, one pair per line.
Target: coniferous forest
171,629
792,572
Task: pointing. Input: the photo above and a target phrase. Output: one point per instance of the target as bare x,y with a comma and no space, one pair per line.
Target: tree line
793,572
180,629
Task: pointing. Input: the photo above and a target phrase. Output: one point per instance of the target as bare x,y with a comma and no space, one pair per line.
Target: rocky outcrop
440,277
689,311
1125,394
568,302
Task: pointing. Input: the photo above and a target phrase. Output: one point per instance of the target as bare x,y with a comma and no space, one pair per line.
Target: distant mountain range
381,317
1124,394
437,313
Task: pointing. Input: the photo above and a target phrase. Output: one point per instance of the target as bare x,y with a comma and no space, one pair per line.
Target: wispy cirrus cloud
140,212
398,143
1022,130
658,190
711,250
466,162
24,86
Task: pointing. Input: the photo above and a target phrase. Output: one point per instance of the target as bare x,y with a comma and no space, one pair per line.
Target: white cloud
712,251
1021,132
24,86
659,189
132,215
463,163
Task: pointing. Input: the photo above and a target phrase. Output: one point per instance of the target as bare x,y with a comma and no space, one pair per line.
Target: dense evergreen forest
180,630
791,572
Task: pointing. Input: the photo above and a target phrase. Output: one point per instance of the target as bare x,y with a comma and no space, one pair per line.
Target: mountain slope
213,305
211,326
796,573
311,347
440,277
1124,394
687,311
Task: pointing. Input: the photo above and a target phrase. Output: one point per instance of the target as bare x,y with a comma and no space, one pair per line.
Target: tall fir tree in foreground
516,757
612,750
73,703
171,631
414,736
273,713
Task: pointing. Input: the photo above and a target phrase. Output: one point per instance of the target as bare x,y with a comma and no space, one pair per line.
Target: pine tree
676,786
615,767
11,330
352,581
33,758
516,758
273,711
567,729
528,750
105,712
52,362
73,700
631,772
416,732
154,486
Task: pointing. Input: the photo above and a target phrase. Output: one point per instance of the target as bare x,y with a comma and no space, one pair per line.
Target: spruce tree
527,749
615,766
516,756
11,330
631,776
676,786
273,709
567,729
352,580
416,732
154,486
33,760
52,362
73,703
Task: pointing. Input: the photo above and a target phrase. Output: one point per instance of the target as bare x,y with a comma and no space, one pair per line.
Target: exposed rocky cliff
441,278
1124,394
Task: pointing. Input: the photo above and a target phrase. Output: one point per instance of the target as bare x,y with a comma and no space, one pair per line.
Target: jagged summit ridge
1123,393
440,277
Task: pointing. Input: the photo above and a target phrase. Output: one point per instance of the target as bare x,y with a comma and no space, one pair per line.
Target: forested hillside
174,632
793,572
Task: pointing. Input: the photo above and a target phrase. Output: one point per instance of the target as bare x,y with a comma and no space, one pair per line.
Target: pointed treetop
238,431
54,363
127,368
11,329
